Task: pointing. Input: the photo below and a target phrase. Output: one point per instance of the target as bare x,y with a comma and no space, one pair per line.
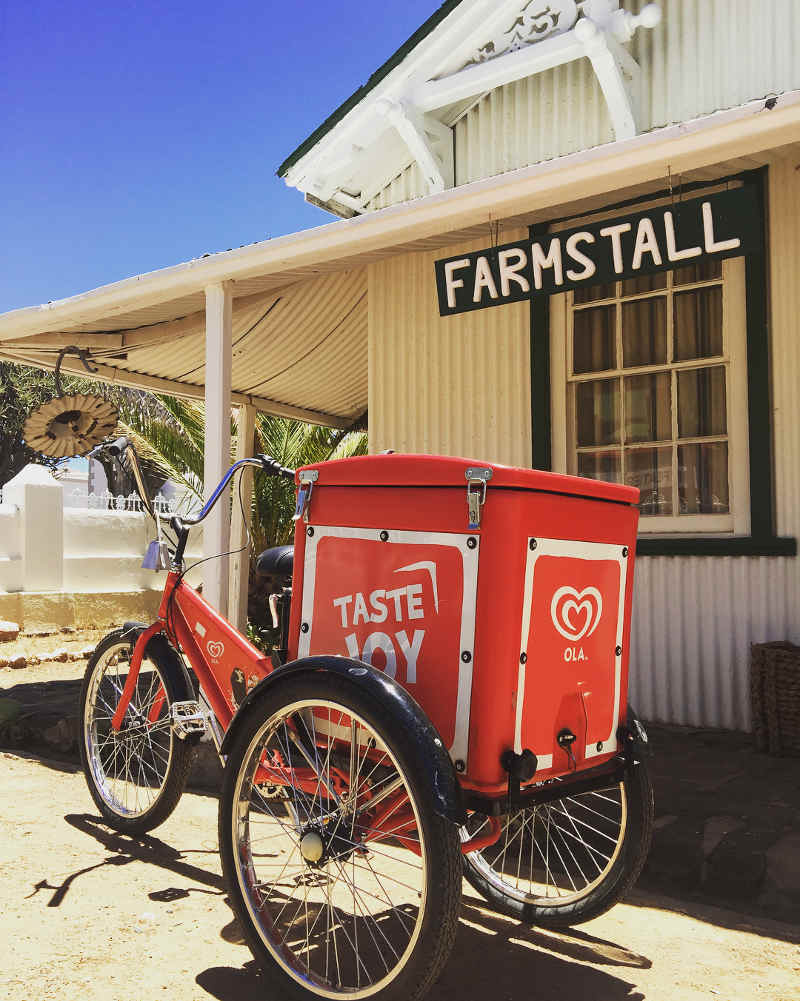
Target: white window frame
734,358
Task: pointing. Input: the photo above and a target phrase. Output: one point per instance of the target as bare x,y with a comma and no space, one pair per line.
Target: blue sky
139,135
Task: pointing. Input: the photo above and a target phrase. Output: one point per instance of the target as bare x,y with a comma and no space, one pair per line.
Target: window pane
593,340
591,293
698,323
597,412
650,469
600,466
648,408
644,283
703,478
701,402
644,332
704,270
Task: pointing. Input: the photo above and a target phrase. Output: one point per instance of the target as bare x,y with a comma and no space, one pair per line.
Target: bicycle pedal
188,718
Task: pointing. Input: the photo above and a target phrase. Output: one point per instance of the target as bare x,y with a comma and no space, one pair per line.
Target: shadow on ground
492,958
123,850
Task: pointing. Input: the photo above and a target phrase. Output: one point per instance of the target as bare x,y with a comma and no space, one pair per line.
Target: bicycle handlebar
123,444
265,463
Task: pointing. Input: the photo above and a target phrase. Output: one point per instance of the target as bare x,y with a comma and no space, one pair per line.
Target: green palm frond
171,436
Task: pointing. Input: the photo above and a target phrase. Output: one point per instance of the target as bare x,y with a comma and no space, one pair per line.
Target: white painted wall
44,547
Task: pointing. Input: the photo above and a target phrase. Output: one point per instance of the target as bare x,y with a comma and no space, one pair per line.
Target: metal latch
308,477
477,478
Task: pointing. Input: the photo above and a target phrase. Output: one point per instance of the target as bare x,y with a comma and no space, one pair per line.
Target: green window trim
762,540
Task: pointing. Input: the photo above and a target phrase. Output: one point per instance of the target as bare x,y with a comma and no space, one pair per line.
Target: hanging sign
726,224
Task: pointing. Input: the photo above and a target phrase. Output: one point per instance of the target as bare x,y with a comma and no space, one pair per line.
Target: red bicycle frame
216,650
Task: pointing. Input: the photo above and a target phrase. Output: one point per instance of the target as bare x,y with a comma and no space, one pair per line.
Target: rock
9,710
18,662
736,867
68,629
716,828
59,736
62,655
8,630
783,862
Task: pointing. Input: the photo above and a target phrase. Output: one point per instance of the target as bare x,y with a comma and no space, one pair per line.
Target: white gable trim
480,46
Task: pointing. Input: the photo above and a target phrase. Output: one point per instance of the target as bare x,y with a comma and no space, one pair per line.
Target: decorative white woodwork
240,521
216,529
421,137
532,24
480,46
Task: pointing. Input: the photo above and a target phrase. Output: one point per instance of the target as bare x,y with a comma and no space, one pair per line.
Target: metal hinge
477,478
308,477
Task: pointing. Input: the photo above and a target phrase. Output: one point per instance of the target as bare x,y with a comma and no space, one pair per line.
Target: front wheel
136,775
345,881
568,860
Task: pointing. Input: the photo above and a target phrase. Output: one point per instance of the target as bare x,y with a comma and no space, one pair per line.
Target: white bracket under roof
482,45
428,140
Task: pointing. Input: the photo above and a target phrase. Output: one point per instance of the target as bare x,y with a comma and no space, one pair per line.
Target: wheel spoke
130,767
349,921
571,845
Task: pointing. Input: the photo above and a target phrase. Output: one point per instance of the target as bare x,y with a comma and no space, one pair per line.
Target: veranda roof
300,302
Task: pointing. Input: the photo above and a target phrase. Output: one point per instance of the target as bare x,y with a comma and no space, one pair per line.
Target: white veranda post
216,530
240,520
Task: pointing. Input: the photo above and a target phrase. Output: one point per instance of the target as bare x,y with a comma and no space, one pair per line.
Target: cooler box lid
409,470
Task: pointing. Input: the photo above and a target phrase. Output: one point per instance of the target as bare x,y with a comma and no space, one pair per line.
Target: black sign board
726,224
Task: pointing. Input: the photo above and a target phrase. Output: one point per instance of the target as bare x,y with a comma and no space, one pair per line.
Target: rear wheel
344,879
136,775
568,860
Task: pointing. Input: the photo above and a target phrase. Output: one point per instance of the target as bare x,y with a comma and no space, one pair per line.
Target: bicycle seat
276,562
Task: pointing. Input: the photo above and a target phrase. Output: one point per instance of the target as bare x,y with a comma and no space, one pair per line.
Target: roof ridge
375,78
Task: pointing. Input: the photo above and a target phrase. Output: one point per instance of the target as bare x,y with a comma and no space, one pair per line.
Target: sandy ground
88,913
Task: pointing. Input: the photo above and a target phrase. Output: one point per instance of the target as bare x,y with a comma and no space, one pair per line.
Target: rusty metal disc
70,425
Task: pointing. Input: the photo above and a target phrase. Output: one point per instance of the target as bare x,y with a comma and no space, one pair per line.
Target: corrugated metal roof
300,301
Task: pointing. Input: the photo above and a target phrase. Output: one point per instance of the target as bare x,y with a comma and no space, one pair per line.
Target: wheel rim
348,923
555,854
129,767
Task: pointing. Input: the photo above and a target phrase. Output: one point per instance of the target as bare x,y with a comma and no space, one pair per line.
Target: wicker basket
775,697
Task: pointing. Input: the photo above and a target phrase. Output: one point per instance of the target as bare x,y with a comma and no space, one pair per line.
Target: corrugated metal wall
695,618
711,54
544,116
408,184
461,385
705,55
434,384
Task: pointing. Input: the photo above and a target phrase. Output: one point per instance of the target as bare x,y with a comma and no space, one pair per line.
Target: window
649,388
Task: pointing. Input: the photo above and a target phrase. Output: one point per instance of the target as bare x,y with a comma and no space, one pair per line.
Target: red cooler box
499,597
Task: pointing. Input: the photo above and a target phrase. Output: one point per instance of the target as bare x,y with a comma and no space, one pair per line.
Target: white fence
106,501
47,546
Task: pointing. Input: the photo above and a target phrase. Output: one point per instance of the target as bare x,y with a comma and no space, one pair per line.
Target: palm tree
171,438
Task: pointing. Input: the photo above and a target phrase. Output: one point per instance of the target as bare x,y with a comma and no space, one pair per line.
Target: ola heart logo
215,649
576,614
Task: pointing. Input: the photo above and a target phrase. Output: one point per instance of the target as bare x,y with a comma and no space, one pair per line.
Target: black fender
432,756
131,631
633,738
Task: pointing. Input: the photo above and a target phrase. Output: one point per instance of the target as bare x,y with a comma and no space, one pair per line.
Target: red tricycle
448,698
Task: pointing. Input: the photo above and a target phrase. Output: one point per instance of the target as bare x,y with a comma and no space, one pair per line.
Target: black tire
136,776
418,914
575,857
